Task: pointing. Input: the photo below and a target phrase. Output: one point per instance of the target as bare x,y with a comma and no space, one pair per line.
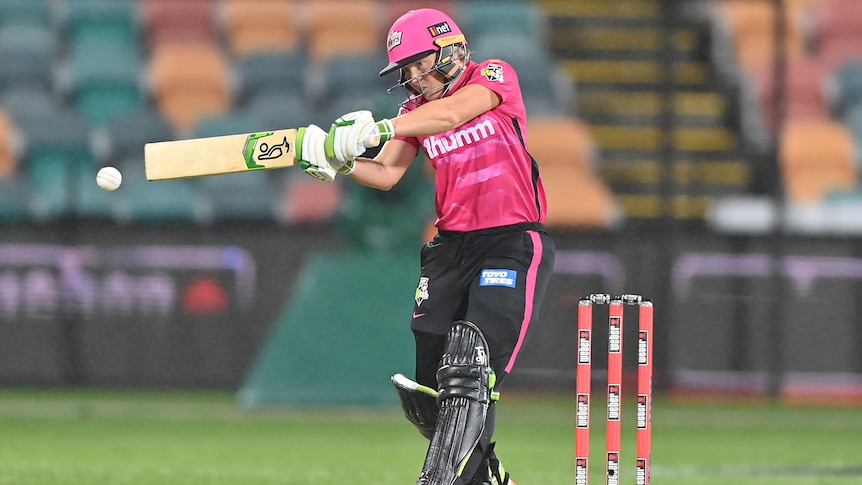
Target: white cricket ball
109,178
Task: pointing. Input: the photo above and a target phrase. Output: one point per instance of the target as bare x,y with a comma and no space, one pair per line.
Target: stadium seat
253,26
577,199
91,202
546,87
124,138
302,200
853,121
508,47
845,91
280,110
27,54
110,25
170,21
836,30
27,105
561,140
56,145
190,80
14,187
44,123
805,91
750,25
240,197
566,154
243,196
352,74
342,26
139,200
271,72
378,102
56,152
511,21
26,12
229,123
838,52
165,201
8,155
103,86
15,194
817,157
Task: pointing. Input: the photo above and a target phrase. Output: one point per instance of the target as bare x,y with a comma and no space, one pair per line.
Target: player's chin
432,94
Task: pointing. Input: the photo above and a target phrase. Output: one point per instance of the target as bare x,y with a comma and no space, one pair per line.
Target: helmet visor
399,64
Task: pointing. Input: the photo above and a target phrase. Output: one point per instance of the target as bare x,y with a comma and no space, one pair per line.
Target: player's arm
386,169
343,145
447,112
437,116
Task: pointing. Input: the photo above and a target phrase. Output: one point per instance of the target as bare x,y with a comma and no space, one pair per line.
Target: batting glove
309,150
351,135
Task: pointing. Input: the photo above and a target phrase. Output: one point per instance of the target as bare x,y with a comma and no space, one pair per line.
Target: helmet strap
447,65
446,61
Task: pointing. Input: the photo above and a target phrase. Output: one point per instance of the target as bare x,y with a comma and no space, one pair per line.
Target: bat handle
371,141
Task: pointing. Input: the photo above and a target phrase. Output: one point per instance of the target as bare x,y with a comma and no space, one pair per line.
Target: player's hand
310,153
351,134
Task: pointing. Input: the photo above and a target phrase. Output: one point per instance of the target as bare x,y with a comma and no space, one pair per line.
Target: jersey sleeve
499,76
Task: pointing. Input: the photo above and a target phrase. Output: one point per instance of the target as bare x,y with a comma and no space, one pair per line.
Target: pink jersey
484,175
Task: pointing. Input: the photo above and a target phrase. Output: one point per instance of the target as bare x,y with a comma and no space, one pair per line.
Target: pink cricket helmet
418,33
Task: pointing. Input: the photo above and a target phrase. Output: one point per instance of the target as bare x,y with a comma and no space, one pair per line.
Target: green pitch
55,437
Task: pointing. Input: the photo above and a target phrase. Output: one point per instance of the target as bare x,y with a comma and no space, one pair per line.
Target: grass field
95,437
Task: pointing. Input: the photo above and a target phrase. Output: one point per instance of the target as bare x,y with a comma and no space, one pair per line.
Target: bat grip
371,141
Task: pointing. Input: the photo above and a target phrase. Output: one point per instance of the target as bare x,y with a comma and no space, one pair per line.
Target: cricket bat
216,155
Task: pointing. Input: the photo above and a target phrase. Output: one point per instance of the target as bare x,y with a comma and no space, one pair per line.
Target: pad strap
462,380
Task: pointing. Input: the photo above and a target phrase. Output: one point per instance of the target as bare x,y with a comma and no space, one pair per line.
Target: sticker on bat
264,152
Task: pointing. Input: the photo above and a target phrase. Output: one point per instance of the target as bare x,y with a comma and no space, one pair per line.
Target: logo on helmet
440,29
394,39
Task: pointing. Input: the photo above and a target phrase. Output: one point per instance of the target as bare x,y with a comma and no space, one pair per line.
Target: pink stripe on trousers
529,296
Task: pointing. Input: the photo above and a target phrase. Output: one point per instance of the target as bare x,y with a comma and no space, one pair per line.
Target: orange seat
576,198
817,157
565,151
751,26
8,157
342,26
167,21
190,80
554,140
306,200
249,32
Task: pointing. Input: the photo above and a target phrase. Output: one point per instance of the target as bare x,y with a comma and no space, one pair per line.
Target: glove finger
345,137
311,153
318,137
355,117
352,146
356,144
307,138
336,152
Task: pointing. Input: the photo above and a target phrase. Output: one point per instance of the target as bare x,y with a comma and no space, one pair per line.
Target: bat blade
198,157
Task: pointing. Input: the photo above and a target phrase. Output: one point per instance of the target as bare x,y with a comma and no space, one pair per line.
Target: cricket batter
484,274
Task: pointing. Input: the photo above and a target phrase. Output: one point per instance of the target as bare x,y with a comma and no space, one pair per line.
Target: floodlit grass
95,437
